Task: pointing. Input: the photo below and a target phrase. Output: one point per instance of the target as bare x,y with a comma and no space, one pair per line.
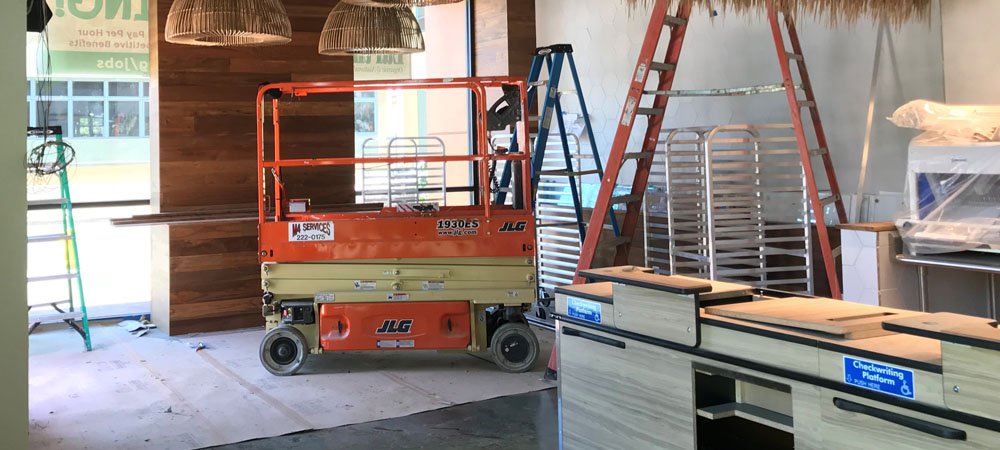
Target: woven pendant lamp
363,30
409,3
229,23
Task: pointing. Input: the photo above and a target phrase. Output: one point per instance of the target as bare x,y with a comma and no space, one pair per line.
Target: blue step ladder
553,58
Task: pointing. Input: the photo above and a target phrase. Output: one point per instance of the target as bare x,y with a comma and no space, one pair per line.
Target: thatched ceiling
829,11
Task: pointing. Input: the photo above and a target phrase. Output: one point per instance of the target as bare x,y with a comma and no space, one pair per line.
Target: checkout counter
655,361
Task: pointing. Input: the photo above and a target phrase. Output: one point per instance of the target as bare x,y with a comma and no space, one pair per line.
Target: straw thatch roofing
830,11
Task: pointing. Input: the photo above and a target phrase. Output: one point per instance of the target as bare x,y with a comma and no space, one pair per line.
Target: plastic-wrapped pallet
953,178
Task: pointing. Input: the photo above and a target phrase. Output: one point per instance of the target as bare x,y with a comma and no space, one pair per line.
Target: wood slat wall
204,139
504,40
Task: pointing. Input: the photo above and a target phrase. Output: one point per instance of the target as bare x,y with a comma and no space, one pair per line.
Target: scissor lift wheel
283,351
514,347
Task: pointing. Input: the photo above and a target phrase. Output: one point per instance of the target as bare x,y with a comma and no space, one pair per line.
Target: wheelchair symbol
905,390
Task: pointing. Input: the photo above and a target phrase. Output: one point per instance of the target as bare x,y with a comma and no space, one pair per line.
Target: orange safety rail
482,230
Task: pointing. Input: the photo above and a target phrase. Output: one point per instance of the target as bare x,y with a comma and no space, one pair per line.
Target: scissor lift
399,277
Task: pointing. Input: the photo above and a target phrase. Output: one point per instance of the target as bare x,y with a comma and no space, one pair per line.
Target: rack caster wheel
514,347
283,351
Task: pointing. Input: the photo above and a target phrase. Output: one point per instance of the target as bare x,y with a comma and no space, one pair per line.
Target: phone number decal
458,227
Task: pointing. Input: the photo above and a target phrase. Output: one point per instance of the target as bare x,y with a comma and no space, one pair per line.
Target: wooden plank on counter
835,317
874,227
641,277
950,327
599,292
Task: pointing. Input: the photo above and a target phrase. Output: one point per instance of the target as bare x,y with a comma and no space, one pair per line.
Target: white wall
14,339
732,50
972,50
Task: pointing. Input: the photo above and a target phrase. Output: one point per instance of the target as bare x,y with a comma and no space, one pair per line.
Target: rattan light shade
409,3
358,30
233,23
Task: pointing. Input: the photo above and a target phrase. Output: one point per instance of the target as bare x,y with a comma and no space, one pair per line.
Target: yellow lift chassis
465,304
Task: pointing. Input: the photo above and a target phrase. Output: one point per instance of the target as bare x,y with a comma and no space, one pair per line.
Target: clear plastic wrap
950,124
952,196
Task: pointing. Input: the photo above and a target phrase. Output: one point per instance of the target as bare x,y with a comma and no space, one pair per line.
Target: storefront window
418,121
88,119
56,112
123,89
51,88
90,76
88,89
123,112
124,118
107,124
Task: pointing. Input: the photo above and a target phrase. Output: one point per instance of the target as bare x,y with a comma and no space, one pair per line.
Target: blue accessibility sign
587,310
879,377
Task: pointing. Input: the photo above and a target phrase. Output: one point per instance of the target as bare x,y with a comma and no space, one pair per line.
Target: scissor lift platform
403,277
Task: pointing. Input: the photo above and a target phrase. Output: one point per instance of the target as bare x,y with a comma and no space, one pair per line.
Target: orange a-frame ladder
666,69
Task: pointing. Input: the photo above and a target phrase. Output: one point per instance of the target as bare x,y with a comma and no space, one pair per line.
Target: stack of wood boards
246,213
834,317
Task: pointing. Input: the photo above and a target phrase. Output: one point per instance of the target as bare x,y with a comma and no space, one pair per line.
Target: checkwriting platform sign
103,38
879,377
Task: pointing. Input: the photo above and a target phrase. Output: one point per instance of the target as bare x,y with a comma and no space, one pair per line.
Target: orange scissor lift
399,277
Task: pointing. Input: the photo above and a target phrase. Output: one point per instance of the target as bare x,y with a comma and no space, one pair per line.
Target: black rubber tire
283,350
514,347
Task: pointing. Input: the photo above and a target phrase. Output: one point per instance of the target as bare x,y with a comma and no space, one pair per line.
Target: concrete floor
158,392
525,421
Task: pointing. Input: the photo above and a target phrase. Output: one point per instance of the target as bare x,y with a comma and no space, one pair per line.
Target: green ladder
70,310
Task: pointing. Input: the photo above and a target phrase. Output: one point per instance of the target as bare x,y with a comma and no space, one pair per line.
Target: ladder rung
47,303
836,251
650,112
662,66
672,21
819,151
48,202
807,104
626,199
539,83
566,173
49,238
794,56
830,199
638,155
62,276
55,317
